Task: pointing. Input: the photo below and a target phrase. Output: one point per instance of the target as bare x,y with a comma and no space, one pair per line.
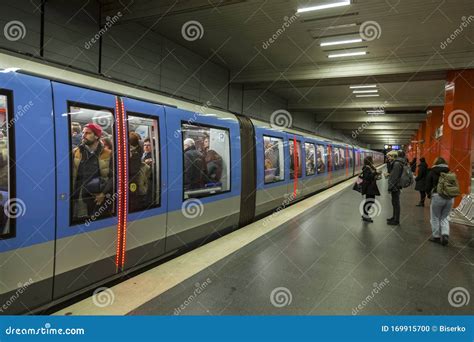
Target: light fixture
365,91
340,42
375,112
7,70
363,86
368,95
347,54
321,7
340,26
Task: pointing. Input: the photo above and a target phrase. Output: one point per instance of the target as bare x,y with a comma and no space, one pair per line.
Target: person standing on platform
394,187
441,205
369,186
421,181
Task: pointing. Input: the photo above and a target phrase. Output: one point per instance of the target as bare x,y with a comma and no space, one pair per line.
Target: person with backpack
369,187
421,180
441,186
399,165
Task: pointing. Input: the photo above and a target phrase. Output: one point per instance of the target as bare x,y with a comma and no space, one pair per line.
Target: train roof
101,83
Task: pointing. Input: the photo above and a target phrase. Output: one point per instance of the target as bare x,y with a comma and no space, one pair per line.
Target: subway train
99,179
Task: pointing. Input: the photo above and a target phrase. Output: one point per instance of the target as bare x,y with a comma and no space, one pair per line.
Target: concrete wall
130,52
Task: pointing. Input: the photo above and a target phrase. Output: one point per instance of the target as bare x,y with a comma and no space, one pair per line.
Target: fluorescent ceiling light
363,86
375,112
340,42
347,54
368,95
321,7
340,26
365,91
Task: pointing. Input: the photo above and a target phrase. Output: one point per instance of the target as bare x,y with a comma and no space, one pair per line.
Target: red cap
95,128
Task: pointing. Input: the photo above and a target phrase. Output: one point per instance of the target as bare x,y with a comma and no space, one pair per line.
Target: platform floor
325,261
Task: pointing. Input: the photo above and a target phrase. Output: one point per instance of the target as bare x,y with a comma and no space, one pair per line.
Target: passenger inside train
4,166
293,157
274,160
206,160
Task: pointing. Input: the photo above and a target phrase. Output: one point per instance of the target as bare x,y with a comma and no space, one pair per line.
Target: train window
339,158
143,162
321,159
293,157
206,160
7,195
310,150
92,163
274,159
351,157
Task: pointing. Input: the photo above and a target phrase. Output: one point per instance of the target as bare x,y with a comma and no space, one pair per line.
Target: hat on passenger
95,128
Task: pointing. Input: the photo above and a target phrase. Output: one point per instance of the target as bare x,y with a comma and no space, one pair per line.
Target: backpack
406,178
448,186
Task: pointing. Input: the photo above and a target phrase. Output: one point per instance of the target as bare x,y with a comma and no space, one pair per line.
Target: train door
296,161
147,179
27,185
87,196
272,166
330,163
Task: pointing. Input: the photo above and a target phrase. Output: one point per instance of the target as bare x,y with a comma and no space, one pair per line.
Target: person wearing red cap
92,175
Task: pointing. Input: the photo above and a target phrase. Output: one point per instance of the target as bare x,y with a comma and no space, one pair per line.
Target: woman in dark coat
421,181
370,189
413,165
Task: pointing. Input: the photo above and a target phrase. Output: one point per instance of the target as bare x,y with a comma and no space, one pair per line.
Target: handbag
358,184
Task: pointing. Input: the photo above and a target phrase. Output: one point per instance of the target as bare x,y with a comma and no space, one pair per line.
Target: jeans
440,209
396,205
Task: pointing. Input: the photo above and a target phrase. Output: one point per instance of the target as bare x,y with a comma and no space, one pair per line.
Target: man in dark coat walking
421,181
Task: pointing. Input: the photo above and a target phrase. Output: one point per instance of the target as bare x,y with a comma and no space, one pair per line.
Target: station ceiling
409,47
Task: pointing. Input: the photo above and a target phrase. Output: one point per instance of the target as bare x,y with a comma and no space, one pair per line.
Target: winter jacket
195,172
369,184
421,178
92,167
433,178
395,174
